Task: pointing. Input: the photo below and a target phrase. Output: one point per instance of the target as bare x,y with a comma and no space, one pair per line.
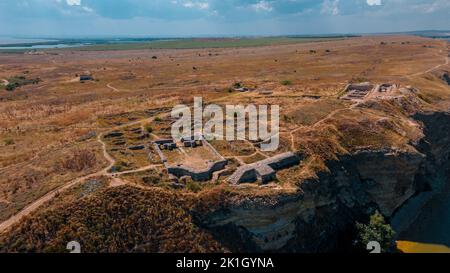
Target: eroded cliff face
323,212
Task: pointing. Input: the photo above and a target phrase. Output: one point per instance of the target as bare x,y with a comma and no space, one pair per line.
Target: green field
192,43
206,43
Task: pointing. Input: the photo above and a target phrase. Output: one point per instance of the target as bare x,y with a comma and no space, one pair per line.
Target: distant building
86,78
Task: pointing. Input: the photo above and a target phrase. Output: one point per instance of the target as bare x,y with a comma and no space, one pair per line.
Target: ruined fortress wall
284,162
250,173
197,175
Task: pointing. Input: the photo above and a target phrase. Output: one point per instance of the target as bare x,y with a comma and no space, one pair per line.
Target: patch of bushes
114,220
18,81
79,161
286,82
120,166
148,128
376,230
237,85
193,186
9,141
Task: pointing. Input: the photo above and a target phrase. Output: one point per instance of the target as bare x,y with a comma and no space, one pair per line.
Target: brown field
53,132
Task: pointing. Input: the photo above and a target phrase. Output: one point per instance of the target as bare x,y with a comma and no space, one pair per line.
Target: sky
166,18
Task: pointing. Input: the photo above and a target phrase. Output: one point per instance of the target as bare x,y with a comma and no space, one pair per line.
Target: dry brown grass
46,120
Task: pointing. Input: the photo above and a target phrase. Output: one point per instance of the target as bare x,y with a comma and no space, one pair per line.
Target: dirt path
431,69
4,226
104,172
317,123
50,195
112,87
143,169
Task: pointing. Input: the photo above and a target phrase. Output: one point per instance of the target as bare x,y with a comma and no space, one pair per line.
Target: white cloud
435,6
198,5
73,2
87,9
330,7
374,2
262,6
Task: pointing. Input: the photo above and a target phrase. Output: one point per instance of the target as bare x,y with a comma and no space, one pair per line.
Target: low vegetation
286,82
376,231
79,161
211,43
18,81
120,219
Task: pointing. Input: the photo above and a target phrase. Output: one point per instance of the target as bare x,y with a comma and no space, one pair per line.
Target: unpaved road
36,204
446,62
4,226
112,87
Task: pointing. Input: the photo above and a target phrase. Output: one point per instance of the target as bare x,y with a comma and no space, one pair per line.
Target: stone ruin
180,171
265,170
357,91
386,88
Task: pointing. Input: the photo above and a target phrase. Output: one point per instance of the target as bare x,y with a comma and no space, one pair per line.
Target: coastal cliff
321,215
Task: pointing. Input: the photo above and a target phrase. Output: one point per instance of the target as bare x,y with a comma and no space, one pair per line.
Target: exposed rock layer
323,212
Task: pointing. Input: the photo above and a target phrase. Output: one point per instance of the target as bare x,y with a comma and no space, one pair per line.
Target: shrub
158,119
151,180
193,186
79,161
148,128
11,87
286,82
376,230
9,141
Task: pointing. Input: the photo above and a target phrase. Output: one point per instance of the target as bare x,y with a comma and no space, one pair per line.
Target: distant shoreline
165,43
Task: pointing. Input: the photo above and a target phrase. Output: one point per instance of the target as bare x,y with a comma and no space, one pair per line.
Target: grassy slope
120,219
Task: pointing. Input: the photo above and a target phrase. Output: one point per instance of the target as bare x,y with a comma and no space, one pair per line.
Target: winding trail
50,195
369,96
112,87
431,69
4,226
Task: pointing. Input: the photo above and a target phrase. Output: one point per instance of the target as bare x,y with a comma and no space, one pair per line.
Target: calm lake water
10,40
44,46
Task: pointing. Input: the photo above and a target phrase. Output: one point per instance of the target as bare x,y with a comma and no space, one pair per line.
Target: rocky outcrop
321,215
